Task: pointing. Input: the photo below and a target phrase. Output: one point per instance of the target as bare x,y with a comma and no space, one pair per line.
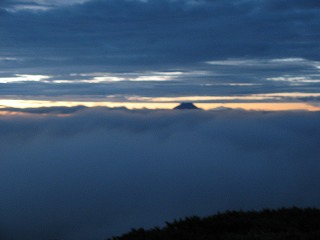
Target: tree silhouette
281,224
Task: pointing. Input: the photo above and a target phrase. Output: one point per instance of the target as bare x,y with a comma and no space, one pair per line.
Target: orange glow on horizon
263,106
272,106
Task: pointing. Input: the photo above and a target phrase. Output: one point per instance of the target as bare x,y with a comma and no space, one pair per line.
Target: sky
88,147
156,53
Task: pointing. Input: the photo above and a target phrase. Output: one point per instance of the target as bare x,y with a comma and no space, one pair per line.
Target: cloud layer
99,172
209,42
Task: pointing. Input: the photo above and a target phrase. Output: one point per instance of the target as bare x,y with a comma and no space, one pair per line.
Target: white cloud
265,62
294,79
8,59
41,5
100,77
24,78
236,62
289,60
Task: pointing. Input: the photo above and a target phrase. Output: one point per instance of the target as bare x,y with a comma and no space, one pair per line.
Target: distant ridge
186,106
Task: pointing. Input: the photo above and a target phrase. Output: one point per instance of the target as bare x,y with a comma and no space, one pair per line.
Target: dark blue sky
116,49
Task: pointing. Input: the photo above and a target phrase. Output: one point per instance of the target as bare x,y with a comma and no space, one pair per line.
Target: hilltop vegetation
285,223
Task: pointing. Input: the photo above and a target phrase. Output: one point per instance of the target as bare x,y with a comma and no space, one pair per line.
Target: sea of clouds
94,173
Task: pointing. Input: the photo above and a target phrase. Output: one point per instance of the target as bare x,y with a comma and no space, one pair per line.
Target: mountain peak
186,106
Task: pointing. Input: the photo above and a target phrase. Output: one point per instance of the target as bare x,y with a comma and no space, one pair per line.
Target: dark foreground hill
286,223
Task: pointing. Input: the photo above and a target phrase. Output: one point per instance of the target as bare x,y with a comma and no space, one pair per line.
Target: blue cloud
116,33
138,36
100,172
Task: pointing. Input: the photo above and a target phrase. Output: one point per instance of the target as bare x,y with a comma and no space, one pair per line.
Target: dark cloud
146,36
284,5
46,110
100,172
164,33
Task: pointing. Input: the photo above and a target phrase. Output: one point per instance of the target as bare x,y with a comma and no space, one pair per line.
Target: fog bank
99,172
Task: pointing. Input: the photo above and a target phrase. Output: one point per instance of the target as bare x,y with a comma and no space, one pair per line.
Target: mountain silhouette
186,106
